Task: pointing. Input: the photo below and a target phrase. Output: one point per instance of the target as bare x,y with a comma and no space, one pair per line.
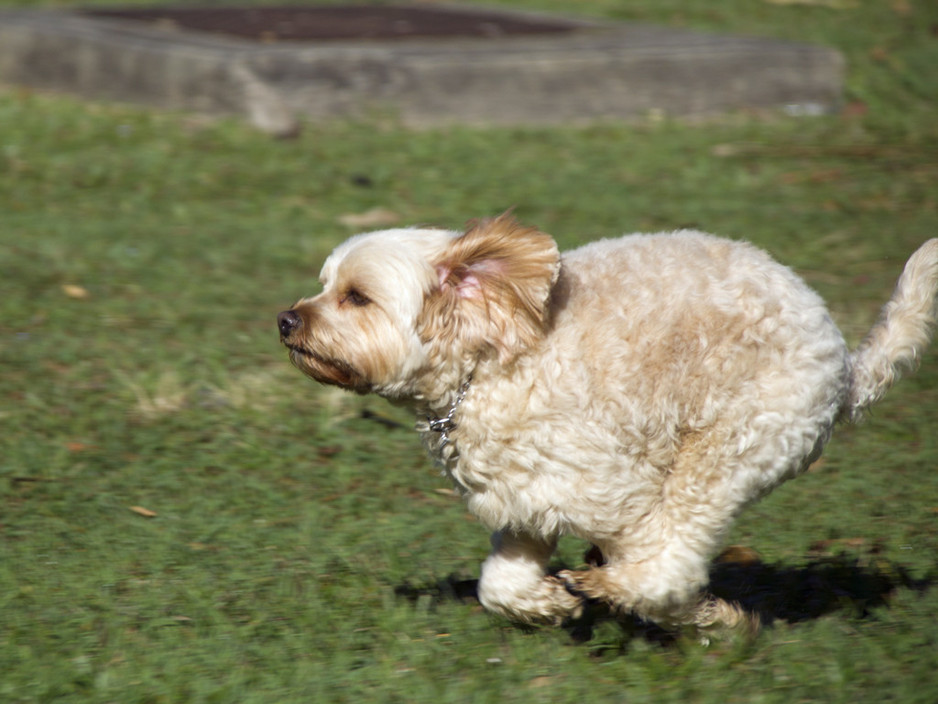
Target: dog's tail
903,331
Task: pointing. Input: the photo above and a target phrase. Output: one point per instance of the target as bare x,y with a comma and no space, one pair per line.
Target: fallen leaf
203,546
370,218
739,555
830,4
79,293
540,681
822,547
724,151
145,512
901,7
855,108
327,451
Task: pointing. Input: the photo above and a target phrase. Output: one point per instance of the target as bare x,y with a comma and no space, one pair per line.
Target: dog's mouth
327,371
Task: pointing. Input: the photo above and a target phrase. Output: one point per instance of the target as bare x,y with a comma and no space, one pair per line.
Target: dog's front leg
515,583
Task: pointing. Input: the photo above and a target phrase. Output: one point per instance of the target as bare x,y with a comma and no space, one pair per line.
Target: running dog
636,392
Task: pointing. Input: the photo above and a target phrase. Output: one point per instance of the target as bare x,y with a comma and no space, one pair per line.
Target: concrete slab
588,71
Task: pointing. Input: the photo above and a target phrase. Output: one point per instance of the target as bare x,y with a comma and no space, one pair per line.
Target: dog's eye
356,298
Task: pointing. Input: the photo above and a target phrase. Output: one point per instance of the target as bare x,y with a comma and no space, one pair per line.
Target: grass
183,518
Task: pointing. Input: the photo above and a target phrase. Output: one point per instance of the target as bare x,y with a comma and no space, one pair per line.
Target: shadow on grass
773,592
795,594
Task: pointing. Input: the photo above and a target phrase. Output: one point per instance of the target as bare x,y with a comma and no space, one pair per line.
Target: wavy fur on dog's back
896,342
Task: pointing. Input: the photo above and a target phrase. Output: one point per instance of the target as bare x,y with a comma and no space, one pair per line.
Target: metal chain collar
443,425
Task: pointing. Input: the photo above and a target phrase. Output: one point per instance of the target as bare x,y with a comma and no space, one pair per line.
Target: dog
636,392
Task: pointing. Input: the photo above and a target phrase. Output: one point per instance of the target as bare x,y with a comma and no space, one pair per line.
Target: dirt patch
342,22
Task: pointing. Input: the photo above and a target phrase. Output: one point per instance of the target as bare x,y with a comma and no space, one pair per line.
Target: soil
337,22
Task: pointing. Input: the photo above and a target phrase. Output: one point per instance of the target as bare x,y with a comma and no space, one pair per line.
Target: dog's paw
585,583
549,602
716,618
564,604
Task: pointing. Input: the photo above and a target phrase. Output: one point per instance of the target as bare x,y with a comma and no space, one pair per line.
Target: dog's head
402,311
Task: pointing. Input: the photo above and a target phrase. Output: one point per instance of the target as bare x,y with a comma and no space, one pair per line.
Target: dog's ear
494,283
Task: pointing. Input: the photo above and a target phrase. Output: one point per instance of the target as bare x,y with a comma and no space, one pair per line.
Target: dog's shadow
772,592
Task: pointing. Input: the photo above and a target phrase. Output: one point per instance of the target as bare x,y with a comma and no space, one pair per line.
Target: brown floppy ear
494,285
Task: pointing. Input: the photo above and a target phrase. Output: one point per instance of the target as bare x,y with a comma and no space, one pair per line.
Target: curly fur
636,392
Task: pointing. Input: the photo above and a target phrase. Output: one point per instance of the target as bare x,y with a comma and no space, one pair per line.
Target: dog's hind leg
657,567
515,584
663,586
667,588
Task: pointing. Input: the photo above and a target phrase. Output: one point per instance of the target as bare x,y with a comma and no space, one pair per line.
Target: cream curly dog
636,392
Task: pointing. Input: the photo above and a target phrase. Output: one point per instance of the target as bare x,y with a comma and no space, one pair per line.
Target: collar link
445,424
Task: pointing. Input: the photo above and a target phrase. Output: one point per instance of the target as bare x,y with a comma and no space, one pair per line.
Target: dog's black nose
288,321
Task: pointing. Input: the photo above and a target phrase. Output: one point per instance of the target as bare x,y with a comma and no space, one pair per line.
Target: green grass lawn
185,518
